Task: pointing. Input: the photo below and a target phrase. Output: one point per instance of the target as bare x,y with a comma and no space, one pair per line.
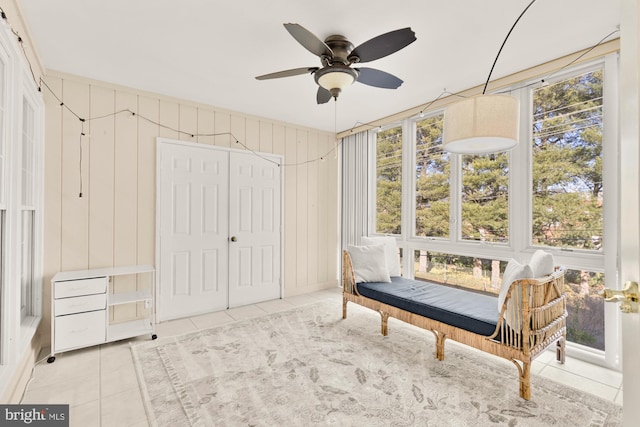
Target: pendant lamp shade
481,125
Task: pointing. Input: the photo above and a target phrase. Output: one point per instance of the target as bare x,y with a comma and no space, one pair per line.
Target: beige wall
113,223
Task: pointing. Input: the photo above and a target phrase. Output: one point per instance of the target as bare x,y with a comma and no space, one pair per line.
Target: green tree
389,181
567,163
485,202
432,180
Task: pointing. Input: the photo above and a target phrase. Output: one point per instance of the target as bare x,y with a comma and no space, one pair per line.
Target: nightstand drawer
72,288
80,330
82,304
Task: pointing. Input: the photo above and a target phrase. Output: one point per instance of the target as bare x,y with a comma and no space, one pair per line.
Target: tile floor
100,384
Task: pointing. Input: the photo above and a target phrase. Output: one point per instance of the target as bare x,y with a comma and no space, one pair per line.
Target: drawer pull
78,331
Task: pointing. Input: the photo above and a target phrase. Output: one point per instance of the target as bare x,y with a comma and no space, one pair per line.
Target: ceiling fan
337,54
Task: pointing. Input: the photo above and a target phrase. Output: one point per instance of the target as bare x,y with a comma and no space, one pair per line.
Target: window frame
413,184
16,333
590,257
373,179
29,94
34,314
4,190
604,261
520,202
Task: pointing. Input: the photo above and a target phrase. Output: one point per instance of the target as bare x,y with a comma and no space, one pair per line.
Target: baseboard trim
291,292
17,383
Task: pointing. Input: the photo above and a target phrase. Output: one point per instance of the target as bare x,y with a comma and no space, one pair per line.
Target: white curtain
355,200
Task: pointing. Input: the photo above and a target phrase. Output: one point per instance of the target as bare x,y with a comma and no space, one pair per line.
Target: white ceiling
209,51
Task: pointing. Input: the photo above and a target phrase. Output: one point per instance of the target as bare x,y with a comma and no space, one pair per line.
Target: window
432,180
568,191
485,197
2,275
3,194
26,268
389,181
21,149
585,324
3,177
27,242
478,274
471,213
567,163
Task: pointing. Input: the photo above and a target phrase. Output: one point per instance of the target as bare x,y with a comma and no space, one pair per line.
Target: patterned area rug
307,366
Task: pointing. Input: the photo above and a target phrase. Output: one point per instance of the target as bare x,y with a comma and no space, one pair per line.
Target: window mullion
610,167
408,194
455,194
519,180
408,179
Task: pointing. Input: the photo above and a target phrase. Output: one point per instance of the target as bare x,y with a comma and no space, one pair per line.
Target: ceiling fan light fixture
335,78
482,124
337,54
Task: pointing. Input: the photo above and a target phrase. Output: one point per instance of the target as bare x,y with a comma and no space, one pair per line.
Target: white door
255,229
193,230
629,252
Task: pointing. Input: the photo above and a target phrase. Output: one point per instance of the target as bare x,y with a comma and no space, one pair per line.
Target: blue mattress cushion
468,310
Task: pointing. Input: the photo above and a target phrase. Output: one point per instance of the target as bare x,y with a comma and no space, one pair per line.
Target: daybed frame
543,314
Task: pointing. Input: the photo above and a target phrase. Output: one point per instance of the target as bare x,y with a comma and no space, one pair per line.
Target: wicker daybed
534,322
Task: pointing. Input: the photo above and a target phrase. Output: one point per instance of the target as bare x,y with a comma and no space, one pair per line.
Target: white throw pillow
390,249
369,263
513,272
542,263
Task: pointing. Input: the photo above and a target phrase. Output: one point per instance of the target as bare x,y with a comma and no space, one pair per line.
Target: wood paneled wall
113,223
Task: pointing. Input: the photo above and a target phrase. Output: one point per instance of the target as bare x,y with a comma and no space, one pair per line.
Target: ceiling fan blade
323,95
307,39
377,78
383,45
288,73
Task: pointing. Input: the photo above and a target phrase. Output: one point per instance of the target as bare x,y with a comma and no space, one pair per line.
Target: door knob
234,239
628,297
